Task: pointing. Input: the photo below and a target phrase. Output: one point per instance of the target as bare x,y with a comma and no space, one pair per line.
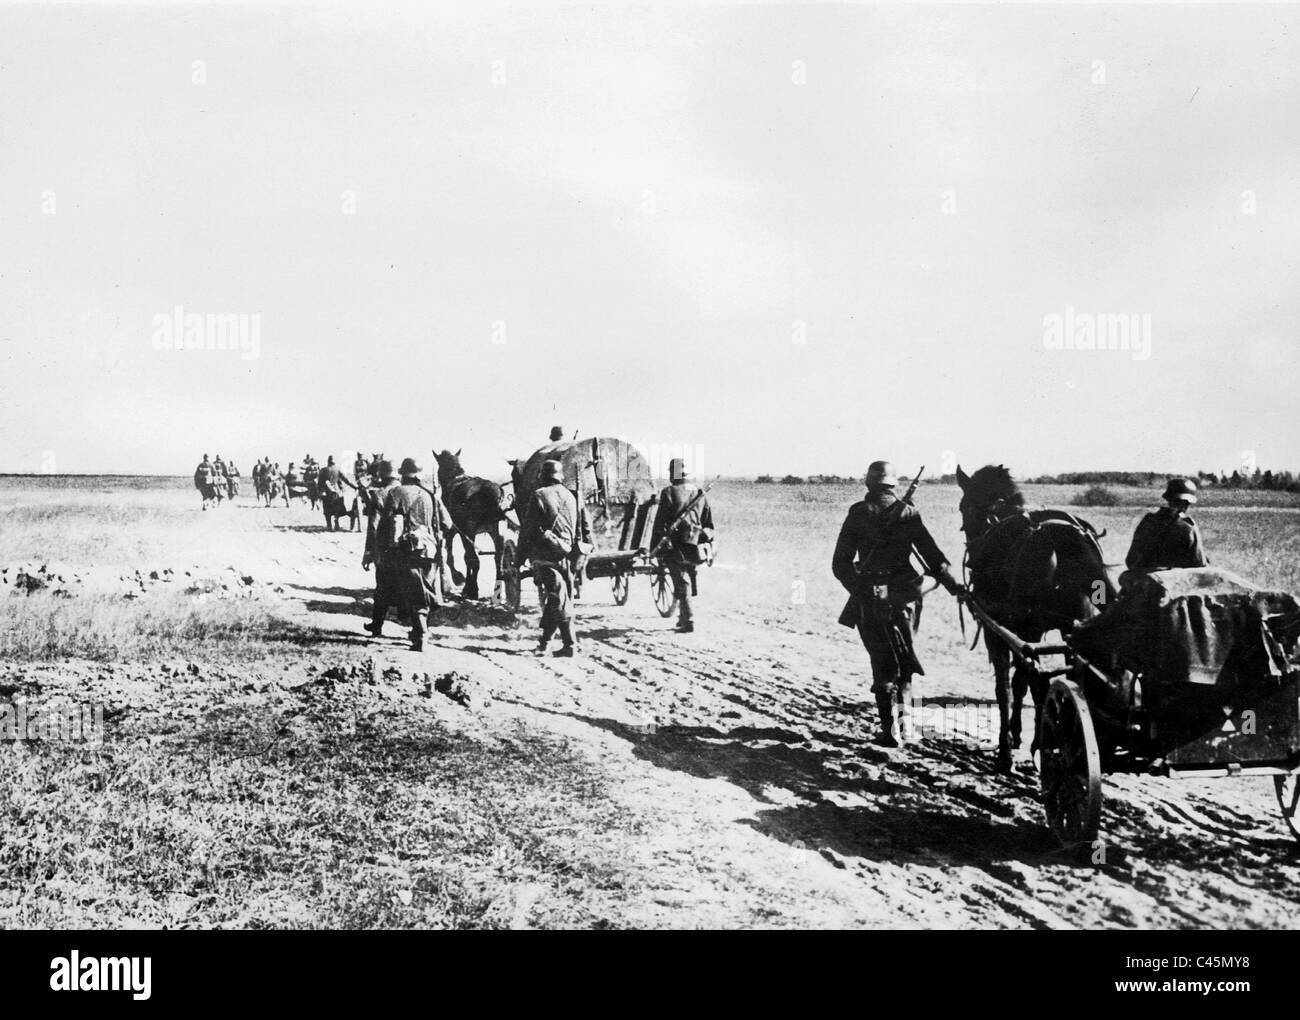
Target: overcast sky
792,238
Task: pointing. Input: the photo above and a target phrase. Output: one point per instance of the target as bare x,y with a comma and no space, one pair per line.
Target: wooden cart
614,484
1191,674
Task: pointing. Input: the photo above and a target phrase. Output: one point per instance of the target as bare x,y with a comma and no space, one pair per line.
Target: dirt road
747,749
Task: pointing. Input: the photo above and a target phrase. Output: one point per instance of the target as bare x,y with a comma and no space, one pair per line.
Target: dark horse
476,506
1033,571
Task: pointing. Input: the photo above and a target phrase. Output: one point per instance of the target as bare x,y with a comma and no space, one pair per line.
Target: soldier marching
873,561
683,536
554,534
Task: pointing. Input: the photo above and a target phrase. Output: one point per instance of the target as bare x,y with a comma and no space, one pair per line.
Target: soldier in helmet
292,483
203,481
873,561
405,543
1168,538
553,531
690,537
220,477
330,481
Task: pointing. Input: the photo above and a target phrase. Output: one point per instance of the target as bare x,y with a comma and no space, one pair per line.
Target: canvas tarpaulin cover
1198,625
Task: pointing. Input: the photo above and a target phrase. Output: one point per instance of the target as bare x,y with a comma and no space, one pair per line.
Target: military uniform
692,532
1167,539
402,573
873,561
329,483
220,478
551,528
203,481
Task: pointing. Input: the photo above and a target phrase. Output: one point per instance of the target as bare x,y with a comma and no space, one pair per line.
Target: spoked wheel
1071,765
510,583
661,586
1288,796
622,585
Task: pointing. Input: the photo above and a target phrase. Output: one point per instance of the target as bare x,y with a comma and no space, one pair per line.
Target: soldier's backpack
690,540
415,540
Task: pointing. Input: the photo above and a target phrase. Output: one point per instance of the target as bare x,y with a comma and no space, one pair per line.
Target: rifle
850,615
666,541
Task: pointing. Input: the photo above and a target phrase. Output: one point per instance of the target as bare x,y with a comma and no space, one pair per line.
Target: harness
995,520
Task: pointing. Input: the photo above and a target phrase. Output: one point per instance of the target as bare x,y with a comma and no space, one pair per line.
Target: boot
567,649
888,722
906,729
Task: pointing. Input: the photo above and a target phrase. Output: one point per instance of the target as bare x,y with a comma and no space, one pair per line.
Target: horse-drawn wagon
1191,673
614,483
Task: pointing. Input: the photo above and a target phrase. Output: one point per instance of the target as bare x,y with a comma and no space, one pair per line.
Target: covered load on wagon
610,476
615,485
1199,625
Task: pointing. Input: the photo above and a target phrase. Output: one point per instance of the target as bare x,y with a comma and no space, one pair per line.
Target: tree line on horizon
1278,481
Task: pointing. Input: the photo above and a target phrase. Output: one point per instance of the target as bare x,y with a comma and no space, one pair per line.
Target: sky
782,238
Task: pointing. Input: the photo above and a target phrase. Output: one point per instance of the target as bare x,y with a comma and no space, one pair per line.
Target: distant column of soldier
216,480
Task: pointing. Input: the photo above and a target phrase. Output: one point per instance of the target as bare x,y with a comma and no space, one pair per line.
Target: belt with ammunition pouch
892,587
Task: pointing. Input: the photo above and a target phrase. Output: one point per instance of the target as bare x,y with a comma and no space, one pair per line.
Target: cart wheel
622,584
661,586
1288,796
510,576
1070,765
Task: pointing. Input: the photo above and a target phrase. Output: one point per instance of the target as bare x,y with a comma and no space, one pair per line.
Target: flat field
265,763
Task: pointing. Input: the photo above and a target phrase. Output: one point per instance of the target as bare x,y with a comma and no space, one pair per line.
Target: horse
1033,571
476,506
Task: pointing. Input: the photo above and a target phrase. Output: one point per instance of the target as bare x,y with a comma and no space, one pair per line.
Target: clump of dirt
455,687
25,578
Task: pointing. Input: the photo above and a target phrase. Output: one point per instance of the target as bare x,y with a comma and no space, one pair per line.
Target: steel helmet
881,472
410,468
1180,488
552,471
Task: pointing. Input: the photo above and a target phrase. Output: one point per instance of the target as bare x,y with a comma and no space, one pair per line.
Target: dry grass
100,529
321,821
159,623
